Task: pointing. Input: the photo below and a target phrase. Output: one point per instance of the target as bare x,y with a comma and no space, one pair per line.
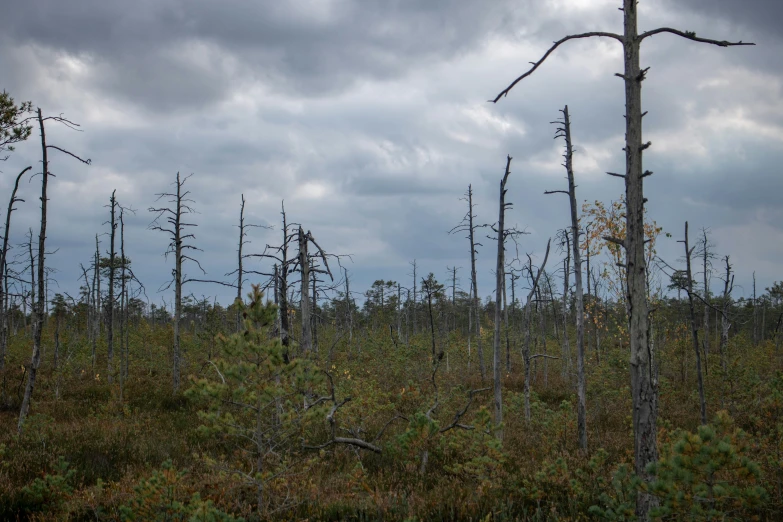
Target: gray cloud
370,119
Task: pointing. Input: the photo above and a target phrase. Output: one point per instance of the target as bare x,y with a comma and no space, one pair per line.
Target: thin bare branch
557,44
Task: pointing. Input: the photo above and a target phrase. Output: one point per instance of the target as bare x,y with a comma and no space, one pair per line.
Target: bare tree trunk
454,298
694,329
314,315
705,267
499,284
175,374
4,271
399,311
415,282
473,278
285,326
306,343
432,323
240,274
175,226
110,301
724,320
96,285
644,387
755,313
565,132
38,310
123,308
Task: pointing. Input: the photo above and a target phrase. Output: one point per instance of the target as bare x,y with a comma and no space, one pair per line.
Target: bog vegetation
596,382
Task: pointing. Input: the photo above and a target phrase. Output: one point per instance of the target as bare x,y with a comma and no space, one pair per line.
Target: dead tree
566,367
565,131
755,314
282,269
40,307
304,263
3,267
453,271
431,288
176,227
528,307
96,287
126,277
725,324
499,283
413,310
240,258
110,300
123,307
643,383
88,299
349,309
694,329
706,255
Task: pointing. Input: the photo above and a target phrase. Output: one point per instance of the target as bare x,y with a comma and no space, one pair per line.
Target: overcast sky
370,118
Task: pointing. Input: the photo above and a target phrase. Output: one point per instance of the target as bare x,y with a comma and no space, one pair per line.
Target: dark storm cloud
370,119
170,54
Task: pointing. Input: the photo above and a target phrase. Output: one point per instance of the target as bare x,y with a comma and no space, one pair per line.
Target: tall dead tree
500,280
172,222
240,271
279,254
694,329
239,261
96,287
110,300
126,277
3,269
564,131
123,306
39,308
643,381
304,263
467,225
